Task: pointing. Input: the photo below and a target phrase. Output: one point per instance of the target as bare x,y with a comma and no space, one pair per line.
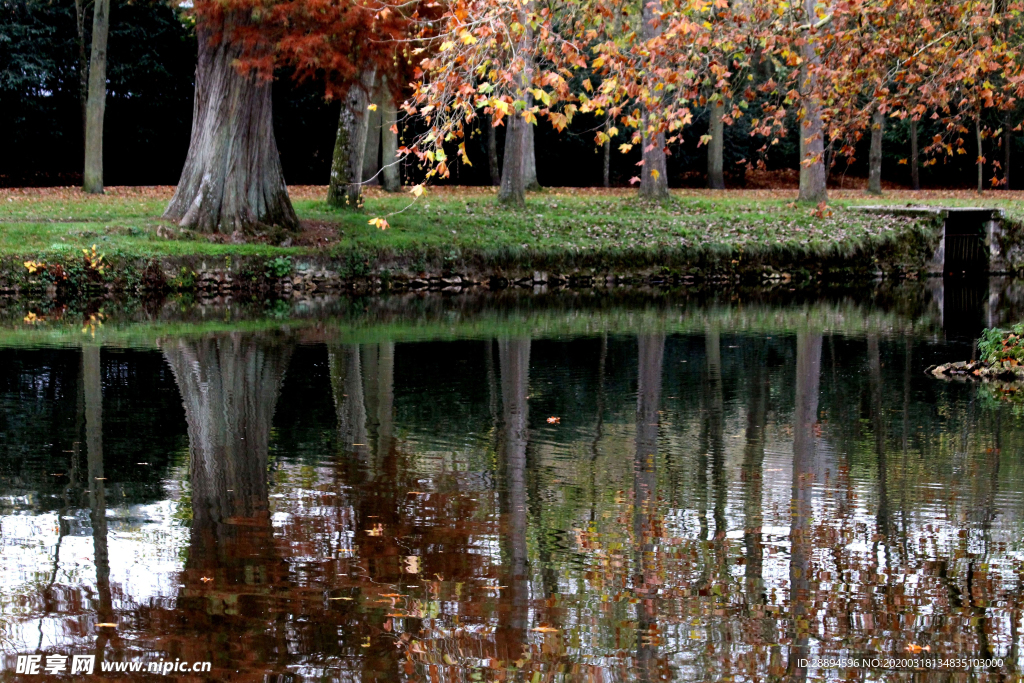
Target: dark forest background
152,56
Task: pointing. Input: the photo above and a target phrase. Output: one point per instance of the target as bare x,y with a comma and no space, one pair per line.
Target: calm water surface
707,505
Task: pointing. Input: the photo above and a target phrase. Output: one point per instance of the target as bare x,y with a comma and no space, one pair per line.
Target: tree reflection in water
707,508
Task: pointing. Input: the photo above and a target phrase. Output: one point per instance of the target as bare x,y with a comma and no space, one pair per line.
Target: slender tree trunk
753,477
1007,146
805,415
810,127
653,173
492,151
650,355
374,121
514,364
607,154
83,63
391,176
716,147
981,155
915,174
345,188
530,157
875,155
878,427
232,179
93,177
92,376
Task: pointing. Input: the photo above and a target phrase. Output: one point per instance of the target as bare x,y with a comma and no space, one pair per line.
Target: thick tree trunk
981,155
374,121
530,158
391,175
493,164
653,173
875,155
232,179
810,127
345,188
915,173
512,191
93,176
716,148
606,175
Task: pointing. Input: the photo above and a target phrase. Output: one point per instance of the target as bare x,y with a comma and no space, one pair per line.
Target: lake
555,487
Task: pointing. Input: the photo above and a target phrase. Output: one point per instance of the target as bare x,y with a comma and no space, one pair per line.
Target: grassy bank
462,231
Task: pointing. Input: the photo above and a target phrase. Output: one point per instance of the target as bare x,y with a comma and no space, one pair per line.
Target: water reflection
601,508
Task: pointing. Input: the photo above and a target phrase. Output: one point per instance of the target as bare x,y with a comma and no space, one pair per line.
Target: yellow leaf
381,223
655,174
372,107
417,191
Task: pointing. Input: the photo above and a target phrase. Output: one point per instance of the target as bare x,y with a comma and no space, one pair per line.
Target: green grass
447,223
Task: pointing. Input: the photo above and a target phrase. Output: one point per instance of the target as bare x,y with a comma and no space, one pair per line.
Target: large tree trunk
346,185
716,147
374,120
810,127
232,179
530,159
875,155
512,191
93,176
492,151
653,173
391,176
915,177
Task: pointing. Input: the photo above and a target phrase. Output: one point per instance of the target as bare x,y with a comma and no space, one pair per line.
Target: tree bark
875,155
512,191
915,174
492,151
374,121
716,147
811,129
391,175
606,176
232,179
83,63
346,185
530,157
653,173
96,103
